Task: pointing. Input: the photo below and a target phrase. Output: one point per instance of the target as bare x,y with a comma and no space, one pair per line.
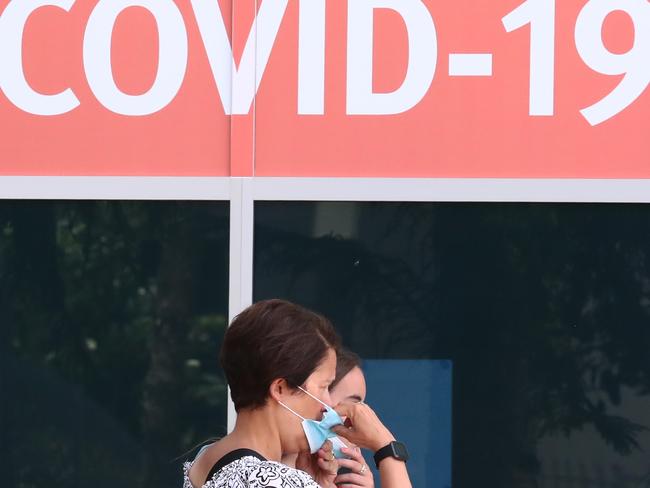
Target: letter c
12,77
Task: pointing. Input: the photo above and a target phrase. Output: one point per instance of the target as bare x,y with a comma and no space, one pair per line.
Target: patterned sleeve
275,475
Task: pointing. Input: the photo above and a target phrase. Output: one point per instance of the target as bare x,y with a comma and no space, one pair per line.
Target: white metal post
241,258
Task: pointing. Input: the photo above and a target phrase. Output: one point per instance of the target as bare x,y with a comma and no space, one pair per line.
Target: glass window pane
422,388
542,310
111,318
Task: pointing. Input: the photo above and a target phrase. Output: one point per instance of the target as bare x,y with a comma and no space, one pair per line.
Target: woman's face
351,388
316,384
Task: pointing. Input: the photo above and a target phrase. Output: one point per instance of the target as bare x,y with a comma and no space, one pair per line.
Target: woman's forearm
393,474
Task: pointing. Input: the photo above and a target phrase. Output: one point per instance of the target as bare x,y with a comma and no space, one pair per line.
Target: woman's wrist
381,441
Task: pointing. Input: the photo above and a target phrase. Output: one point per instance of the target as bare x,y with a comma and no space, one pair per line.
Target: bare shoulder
198,470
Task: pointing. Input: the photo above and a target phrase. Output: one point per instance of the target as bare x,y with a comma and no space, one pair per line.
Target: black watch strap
395,450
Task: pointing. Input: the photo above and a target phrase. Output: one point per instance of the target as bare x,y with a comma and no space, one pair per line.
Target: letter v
245,80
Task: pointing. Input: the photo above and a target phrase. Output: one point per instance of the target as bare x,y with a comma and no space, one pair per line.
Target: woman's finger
326,454
346,410
342,430
355,466
330,467
353,453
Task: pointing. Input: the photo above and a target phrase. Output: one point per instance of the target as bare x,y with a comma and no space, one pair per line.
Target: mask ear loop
291,410
319,401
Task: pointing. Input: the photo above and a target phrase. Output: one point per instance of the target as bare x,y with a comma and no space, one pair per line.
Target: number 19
634,64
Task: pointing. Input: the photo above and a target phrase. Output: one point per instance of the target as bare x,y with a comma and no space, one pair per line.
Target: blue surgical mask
318,431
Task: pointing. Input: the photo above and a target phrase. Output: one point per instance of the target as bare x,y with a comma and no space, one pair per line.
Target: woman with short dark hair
279,360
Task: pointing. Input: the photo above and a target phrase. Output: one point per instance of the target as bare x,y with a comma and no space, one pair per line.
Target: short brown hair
273,339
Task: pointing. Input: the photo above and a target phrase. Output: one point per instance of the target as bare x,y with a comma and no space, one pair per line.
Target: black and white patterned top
248,469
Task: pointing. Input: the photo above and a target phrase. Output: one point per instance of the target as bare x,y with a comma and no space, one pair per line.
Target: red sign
470,88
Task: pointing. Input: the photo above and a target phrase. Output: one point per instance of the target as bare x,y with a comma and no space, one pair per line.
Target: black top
230,457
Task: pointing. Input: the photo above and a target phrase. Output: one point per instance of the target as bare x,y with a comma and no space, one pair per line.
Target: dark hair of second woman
346,361
273,339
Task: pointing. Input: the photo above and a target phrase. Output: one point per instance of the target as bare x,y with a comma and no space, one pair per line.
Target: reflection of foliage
327,271
111,318
544,310
618,431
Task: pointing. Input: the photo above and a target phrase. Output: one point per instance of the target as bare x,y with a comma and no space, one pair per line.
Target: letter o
172,56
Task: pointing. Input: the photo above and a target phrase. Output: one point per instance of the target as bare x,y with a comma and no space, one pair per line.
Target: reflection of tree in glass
111,316
544,310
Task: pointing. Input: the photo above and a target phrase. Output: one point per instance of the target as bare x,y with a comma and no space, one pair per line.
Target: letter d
423,49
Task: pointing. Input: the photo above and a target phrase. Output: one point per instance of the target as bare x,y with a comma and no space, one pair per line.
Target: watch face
399,451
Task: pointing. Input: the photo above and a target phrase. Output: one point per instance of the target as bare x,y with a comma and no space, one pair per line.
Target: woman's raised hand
362,426
322,466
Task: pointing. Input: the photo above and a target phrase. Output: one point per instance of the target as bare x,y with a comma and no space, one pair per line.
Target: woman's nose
326,398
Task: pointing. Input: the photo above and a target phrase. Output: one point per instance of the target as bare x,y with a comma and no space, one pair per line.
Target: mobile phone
343,470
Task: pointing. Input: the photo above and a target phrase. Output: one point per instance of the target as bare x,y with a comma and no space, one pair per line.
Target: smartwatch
395,449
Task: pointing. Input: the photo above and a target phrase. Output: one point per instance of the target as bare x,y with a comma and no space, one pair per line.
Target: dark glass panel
543,310
111,318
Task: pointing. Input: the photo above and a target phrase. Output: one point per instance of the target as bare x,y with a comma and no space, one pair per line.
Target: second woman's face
351,388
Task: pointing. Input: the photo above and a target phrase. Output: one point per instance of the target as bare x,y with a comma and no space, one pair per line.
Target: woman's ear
279,389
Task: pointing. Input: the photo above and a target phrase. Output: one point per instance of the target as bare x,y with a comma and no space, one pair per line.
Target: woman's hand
360,475
362,426
322,466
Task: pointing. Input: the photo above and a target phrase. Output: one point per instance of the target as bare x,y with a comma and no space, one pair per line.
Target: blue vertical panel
413,398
